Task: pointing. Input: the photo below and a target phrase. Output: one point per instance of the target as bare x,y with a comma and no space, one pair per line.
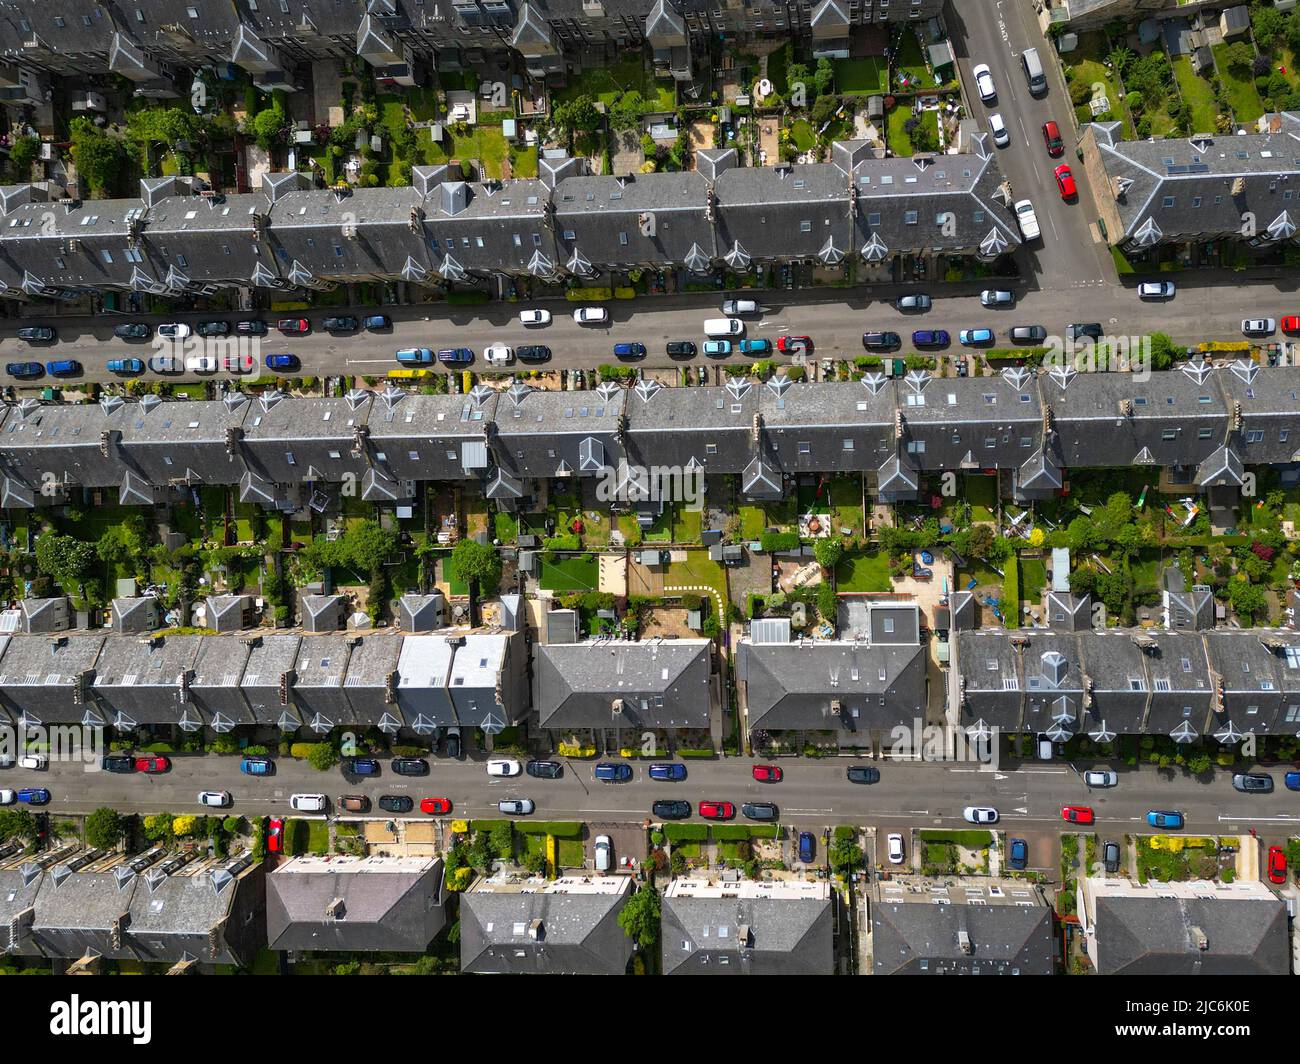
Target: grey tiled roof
781,936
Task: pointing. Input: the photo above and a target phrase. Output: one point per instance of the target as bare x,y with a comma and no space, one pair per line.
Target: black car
251,327
881,341
36,334
1253,783
135,330
340,323
533,353
24,370
545,770
212,328
863,774
395,803
409,766
1092,330
667,809
119,763
1110,857
453,744
681,349
760,810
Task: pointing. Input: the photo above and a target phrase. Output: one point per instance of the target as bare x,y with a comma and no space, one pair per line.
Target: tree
639,918
185,824
1267,24
826,601
22,153
845,855
627,111
823,109
64,559
824,78
1238,56
1163,350
369,545
980,540
1247,598
502,839
104,829
322,757
17,823
828,552
99,157
578,115
478,563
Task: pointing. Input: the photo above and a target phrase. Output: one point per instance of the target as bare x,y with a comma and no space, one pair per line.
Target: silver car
997,297
604,853
1100,777
516,806
1258,326
1156,290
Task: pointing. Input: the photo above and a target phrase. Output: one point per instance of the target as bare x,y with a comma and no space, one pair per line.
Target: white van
1033,71
724,328
604,853
1044,748
307,803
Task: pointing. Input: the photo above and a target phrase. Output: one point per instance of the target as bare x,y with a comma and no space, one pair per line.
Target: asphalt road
813,793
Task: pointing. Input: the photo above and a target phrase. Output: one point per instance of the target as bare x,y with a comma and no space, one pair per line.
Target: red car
1276,864
788,345
717,810
1290,325
294,326
152,765
435,806
1065,182
1077,814
275,834
768,774
1052,137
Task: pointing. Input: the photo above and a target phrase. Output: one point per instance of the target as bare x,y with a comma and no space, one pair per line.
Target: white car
999,130
1100,777
732,307
984,83
6,761
307,803
1156,290
37,762
997,297
535,317
216,799
174,330
590,315
1027,220
201,364
498,354
604,853
517,806
7,797
165,364
504,766
894,847
980,814
237,363
1258,326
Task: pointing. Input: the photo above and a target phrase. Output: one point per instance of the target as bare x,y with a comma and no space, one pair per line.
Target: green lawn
911,62
896,119
1088,66
484,143
1033,578
686,524
863,572
523,162
753,521
698,571
422,102
1197,94
860,77
570,573
607,84
1243,97
801,133
982,494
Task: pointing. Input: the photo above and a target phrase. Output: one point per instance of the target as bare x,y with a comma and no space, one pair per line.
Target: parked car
533,353
174,330
980,814
724,328
201,363
353,803
41,796
789,345
516,806
504,767
1100,777
63,367
126,367
1052,138
275,835
395,803
1077,814
376,321
630,350
1276,865
717,810
1110,857
498,354
975,337
153,765
24,371
1172,821
602,853
165,364
250,327
308,803
680,349
591,315
133,330
1290,325
284,363
863,774
238,362
545,770
340,323
767,773
1027,334
894,848
294,326
416,356
435,806
215,799
1065,182
36,334
361,766
1253,783
39,762
670,809
733,308
257,766
1018,854
612,772
761,346
881,341
1165,290
453,746
1090,330
999,130
984,83
1258,326
997,297
931,338
212,328
1292,781
807,846
760,810
453,356
914,301
409,766
121,763
673,772
534,317
717,348
1027,220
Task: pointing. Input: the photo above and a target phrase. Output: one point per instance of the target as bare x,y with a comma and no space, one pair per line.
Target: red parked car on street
1065,182
275,834
1052,138
788,345
768,774
294,326
152,765
717,810
1077,814
1276,864
435,806
1290,324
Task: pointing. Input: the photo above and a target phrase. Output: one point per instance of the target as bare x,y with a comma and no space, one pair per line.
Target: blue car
931,338
24,370
257,766
452,355
807,846
377,321
631,350
63,367
668,773
1293,781
34,795
1172,821
975,336
717,347
1018,854
416,356
613,772
126,366
285,362
755,347
363,766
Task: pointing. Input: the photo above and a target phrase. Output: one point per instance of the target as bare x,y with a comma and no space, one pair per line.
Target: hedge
742,832
588,295
691,752
488,825
845,831
1032,355
1011,593
561,829
774,542
686,832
